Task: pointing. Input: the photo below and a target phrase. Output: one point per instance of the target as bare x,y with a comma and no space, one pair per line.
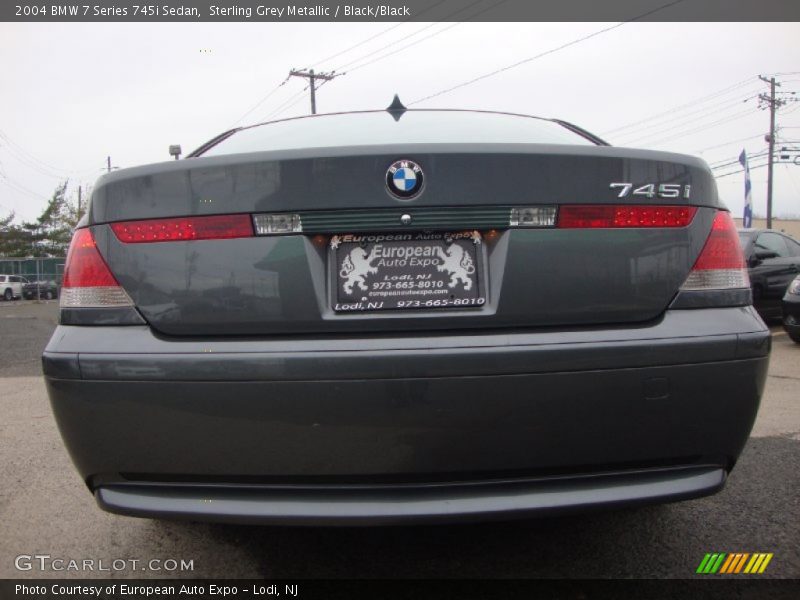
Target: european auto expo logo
734,563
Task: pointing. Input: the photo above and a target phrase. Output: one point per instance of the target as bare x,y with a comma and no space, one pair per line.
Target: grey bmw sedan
405,315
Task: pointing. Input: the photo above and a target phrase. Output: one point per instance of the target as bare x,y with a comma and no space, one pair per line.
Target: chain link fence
41,277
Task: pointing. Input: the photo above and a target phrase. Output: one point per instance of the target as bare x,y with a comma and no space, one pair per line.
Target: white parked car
11,286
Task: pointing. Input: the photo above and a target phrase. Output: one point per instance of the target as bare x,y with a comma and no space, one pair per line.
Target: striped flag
747,220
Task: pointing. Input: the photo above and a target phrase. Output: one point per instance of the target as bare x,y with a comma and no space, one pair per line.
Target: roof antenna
396,108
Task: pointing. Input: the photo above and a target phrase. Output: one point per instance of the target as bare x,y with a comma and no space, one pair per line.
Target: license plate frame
407,271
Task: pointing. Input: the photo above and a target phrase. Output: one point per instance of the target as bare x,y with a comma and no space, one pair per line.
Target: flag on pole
747,219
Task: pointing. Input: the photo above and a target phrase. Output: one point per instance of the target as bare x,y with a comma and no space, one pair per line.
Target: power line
736,141
414,43
702,99
20,154
730,118
13,145
394,43
282,83
727,161
312,85
285,105
794,109
546,53
298,99
18,187
260,102
31,165
752,168
790,173
362,42
346,50
377,35
677,122
340,70
289,104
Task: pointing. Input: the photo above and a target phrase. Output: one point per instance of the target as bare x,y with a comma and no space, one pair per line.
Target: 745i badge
407,271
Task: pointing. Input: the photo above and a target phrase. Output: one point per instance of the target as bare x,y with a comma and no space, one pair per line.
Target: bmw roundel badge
404,179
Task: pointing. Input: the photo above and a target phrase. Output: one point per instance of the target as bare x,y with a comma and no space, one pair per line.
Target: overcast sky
73,94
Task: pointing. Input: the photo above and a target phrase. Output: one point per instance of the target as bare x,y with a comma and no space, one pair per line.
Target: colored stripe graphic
730,563
722,563
717,564
711,563
758,563
764,564
727,564
741,563
703,563
736,563
751,564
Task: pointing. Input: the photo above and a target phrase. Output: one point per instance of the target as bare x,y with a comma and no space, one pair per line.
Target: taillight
88,282
721,263
621,216
184,228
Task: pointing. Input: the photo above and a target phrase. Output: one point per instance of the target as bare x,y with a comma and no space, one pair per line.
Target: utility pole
80,189
773,104
312,77
108,162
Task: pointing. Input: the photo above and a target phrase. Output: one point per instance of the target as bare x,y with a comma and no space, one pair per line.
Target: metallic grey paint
399,409
234,392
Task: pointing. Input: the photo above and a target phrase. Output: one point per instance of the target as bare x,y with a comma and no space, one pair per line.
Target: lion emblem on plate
458,263
355,268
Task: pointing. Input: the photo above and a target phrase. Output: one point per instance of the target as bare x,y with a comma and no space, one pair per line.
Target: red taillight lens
723,249
621,216
184,228
85,267
721,263
88,282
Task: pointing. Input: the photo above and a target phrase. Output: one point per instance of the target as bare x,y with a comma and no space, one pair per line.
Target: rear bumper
383,505
381,429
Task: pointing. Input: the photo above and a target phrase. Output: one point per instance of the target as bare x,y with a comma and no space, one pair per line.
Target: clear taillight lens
277,223
533,216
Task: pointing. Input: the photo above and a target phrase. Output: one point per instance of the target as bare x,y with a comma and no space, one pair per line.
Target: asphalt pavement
46,509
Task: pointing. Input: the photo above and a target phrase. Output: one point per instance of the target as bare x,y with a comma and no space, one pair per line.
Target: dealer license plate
424,270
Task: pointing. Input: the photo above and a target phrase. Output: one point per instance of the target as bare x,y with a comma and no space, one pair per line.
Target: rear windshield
413,127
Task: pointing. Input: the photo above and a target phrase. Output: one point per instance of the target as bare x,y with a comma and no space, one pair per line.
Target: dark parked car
773,260
47,289
405,315
791,310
